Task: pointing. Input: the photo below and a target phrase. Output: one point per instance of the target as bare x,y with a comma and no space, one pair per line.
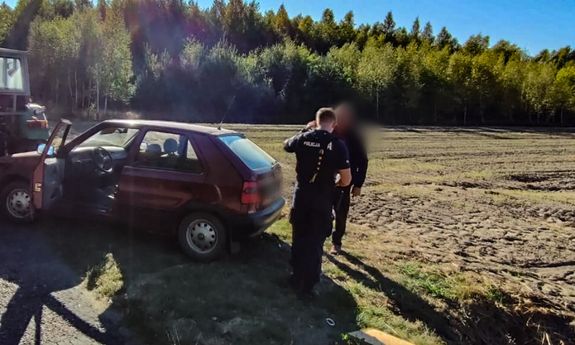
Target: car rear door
164,173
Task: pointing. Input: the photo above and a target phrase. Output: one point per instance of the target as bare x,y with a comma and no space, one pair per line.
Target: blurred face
345,116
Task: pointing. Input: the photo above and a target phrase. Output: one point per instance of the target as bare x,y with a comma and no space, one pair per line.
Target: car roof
12,51
171,125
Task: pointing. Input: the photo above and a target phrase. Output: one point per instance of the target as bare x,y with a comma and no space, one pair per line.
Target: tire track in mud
533,246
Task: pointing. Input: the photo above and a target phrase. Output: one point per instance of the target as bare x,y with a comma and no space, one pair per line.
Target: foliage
81,60
105,278
232,61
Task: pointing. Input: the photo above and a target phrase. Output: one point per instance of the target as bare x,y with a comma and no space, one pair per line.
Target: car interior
92,169
90,172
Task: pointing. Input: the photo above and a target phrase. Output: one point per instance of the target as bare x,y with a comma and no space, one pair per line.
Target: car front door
164,174
48,175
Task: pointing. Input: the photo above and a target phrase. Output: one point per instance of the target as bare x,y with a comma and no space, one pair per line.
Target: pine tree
347,29
415,30
427,34
388,25
282,24
445,40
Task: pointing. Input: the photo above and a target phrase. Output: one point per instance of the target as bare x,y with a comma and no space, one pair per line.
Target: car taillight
250,195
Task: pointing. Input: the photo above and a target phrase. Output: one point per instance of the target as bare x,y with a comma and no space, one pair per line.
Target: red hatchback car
207,185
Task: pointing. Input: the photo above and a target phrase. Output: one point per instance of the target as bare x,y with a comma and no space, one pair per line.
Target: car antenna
226,113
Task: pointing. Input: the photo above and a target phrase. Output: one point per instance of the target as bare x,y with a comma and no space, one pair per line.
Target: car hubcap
202,236
19,203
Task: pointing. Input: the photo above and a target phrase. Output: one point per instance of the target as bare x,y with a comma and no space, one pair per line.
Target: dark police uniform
320,155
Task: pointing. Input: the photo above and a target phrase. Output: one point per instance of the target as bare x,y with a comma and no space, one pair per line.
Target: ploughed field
492,209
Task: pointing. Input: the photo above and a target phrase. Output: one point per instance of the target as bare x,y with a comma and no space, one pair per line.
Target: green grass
431,283
105,279
555,197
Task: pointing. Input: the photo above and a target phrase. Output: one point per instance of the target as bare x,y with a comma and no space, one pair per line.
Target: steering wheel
103,160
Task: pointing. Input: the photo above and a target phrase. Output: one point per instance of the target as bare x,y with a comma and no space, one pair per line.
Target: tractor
23,124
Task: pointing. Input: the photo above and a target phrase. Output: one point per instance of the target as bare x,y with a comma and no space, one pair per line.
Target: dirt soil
515,219
528,245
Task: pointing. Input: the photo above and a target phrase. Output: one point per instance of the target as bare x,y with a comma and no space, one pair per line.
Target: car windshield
251,154
111,136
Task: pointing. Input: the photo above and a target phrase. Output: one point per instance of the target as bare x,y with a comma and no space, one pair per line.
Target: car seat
170,158
152,154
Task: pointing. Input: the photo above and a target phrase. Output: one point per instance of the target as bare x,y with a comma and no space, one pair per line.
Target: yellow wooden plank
374,336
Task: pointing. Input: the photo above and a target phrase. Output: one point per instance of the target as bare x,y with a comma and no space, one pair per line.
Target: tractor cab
23,125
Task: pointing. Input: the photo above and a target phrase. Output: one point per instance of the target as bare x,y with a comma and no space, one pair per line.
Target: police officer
320,157
347,130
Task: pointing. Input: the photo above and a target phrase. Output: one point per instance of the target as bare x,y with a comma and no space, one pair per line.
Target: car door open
49,174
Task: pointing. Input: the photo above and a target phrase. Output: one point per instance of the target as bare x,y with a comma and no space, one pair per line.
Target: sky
531,24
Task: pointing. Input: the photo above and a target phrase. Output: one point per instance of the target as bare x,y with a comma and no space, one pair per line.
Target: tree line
234,62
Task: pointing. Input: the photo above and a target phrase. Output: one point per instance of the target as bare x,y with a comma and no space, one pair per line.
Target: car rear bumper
253,224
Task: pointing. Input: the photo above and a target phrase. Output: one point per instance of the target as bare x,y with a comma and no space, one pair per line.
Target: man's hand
356,191
311,125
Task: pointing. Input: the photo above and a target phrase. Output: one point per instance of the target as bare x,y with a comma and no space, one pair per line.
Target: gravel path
41,299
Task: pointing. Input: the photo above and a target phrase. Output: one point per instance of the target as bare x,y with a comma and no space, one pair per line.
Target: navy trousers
311,226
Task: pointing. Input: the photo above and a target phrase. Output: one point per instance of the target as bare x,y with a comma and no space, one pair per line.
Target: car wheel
17,203
202,236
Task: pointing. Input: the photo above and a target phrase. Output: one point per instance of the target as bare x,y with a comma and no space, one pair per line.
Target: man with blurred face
346,130
320,156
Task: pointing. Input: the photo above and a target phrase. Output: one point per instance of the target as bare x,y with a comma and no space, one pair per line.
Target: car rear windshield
251,154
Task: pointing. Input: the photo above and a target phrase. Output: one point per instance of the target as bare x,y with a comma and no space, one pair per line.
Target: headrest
154,148
171,145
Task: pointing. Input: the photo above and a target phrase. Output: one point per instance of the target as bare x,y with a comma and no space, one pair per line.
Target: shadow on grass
169,299
486,320
406,303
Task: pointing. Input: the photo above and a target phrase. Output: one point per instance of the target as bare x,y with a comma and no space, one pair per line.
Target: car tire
17,204
202,236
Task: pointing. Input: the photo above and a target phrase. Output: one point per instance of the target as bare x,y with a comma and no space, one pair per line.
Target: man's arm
309,127
345,178
290,145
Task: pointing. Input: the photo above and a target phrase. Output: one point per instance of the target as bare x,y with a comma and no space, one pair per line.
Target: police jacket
320,156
